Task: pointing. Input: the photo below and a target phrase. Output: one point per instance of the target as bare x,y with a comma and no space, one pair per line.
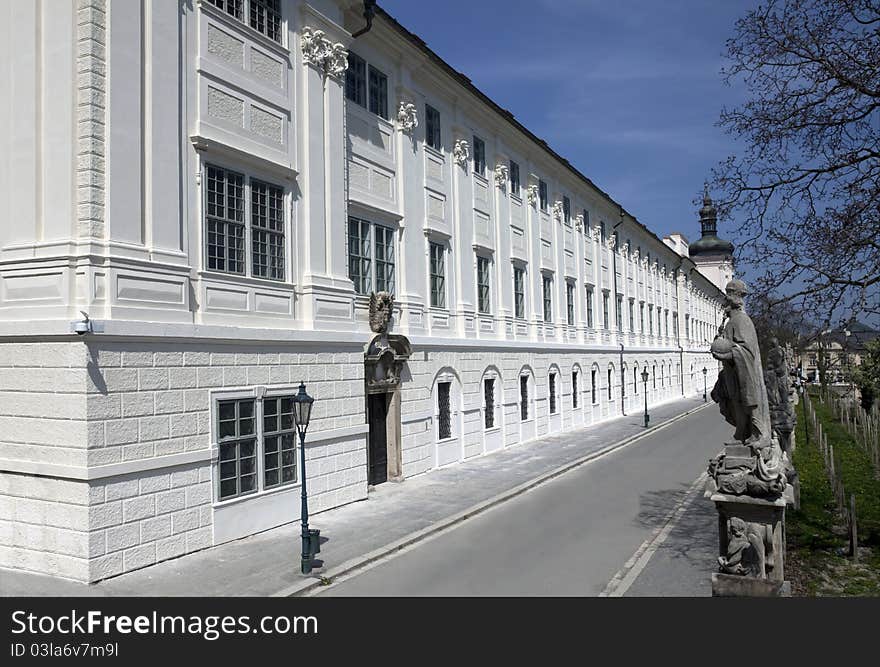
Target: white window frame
372,285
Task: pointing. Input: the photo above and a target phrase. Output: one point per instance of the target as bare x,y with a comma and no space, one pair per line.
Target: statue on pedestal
779,395
753,465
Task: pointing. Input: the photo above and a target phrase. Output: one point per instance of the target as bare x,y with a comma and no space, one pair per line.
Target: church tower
712,255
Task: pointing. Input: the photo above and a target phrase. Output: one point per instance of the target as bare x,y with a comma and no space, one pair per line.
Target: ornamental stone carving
461,152
381,308
533,195
611,242
407,117
579,222
329,57
597,233
501,175
624,249
557,211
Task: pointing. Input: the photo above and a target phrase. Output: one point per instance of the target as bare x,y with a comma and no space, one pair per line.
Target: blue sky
628,91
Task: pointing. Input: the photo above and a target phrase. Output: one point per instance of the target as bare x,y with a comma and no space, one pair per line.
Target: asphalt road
568,537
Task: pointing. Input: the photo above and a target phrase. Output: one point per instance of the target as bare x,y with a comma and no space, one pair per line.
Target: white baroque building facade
211,190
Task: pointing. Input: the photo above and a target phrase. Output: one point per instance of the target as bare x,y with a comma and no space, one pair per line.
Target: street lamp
302,412
704,383
645,382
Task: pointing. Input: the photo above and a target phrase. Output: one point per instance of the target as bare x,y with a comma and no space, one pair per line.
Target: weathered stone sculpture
779,398
754,465
748,484
381,308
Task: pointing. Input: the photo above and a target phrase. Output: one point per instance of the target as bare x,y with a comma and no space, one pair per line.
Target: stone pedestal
751,544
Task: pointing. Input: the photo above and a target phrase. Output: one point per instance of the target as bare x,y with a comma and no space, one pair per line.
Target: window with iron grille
552,387
279,462
548,299
574,389
590,307
371,256
593,386
489,398
267,225
378,93
479,156
225,220
264,16
444,418
523,397
432,127
482,284
569,302
438,275
237,441
519,295
513,171
542,195
356,80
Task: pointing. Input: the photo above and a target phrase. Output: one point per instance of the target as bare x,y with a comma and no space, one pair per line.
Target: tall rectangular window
267,222
632,317
586,215
514,178
675,325
237,440
483,284
574,389
602,231
590,307
438,275
610,379
360,268
605,321
384,259
618,312
519,294
542,195
378,93
231,7
524,397
548,299
642,317
593,386
432,127
444,417
266,18
569,302
566,209
479,156
225,220
489,401
552,386
356,79
651,319
279,462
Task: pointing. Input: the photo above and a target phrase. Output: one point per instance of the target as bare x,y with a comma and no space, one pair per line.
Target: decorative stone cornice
407,117
532,194
501,175
557,211
461,152
328,57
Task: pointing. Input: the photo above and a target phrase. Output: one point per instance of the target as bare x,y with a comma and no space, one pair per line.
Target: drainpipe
369,12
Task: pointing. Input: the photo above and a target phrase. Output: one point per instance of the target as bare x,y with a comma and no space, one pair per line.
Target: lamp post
704,383
645,382
302,412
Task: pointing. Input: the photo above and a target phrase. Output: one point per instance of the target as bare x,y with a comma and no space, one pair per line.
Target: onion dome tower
712,255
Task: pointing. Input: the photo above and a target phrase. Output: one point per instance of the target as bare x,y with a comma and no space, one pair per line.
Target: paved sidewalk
393,516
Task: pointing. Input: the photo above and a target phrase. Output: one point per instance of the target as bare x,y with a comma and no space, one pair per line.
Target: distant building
839,351
221,185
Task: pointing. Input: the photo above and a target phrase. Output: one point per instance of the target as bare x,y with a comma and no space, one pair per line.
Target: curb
361,561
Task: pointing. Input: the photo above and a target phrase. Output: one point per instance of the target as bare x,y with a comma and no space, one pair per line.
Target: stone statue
779,395
381,308
754,465
740,391
749,549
